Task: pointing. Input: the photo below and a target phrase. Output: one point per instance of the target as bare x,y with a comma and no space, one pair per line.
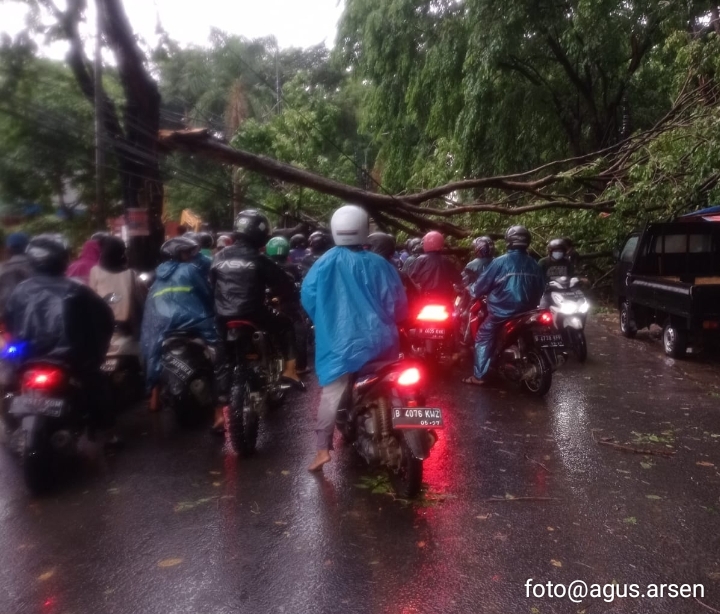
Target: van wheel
627,322
675,341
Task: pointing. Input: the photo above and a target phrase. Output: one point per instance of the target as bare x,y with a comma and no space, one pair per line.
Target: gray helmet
557,245
382,244
253,226
49,254
175,248
517,237
484,247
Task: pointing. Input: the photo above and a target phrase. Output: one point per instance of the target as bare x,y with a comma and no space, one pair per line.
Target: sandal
295,383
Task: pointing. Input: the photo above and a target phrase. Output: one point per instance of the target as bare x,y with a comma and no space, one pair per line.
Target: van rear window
678,244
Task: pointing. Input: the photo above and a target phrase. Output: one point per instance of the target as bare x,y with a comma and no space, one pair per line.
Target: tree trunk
141,172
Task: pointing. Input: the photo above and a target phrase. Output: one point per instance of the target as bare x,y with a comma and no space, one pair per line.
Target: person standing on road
355,299
513,283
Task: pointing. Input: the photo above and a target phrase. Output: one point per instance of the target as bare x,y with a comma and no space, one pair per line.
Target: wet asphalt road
175,524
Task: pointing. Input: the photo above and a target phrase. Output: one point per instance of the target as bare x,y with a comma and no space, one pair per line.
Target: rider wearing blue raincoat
355,299
513,283
180,299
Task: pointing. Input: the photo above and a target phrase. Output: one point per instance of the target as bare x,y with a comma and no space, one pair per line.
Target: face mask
557,255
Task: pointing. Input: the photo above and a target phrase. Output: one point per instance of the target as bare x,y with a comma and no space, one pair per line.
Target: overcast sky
295,23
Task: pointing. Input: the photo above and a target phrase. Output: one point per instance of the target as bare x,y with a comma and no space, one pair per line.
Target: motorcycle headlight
557,298
585,307
568,308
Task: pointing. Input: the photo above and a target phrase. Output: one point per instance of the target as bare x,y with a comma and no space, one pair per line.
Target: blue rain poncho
355,299
513,283
180,299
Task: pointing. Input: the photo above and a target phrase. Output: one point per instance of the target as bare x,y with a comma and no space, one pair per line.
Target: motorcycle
385,419
569,307
430,336
45,414
187,377
529,348
123,363
256,383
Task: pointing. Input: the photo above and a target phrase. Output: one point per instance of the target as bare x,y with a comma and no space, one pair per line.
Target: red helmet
433,242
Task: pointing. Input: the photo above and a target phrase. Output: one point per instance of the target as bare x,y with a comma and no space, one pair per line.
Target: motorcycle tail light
433,313
545,318
409,377
42,379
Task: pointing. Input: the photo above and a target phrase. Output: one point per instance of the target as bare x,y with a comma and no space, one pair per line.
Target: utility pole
277,79
101,214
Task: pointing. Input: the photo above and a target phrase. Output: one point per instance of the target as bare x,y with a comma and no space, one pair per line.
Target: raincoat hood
89,257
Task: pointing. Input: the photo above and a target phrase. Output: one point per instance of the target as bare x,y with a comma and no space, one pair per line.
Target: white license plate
110,365
417,418
25,405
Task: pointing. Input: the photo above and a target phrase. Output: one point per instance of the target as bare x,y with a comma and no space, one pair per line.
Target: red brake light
433,313
42,379
545,318
409,377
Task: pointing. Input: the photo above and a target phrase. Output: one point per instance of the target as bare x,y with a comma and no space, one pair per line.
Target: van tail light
409,377
433,313
42,379
545,318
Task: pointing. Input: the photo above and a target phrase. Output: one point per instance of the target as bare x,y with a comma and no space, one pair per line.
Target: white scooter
569,307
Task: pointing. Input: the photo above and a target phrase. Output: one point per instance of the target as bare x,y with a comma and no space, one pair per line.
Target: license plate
109,365
417,418
26,405
178,368
549,341
431,333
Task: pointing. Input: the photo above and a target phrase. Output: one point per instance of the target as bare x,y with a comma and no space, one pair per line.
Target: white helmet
350,225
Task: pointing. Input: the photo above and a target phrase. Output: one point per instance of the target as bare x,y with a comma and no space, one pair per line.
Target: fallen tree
592,182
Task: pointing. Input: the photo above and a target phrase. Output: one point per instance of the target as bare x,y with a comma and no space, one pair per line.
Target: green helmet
277,247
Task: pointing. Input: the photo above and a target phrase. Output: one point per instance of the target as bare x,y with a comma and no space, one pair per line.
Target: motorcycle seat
375,366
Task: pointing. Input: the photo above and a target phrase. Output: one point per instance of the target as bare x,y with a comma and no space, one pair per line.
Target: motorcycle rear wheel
541,382
243,425
407,481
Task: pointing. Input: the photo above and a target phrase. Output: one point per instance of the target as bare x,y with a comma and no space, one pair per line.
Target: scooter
529,348
569,307
384,417
187,377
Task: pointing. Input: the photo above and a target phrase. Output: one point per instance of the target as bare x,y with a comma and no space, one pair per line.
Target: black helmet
298,241
205,239
253,227
517,237
319,242
49,254
416,246
484,247
178,247
557,245
382,244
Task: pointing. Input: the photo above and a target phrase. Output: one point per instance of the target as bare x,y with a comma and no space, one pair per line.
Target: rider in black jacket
240,275
433,273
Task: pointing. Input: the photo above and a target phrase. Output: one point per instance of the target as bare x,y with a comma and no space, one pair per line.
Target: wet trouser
278,326
485,342
330,400
297,315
